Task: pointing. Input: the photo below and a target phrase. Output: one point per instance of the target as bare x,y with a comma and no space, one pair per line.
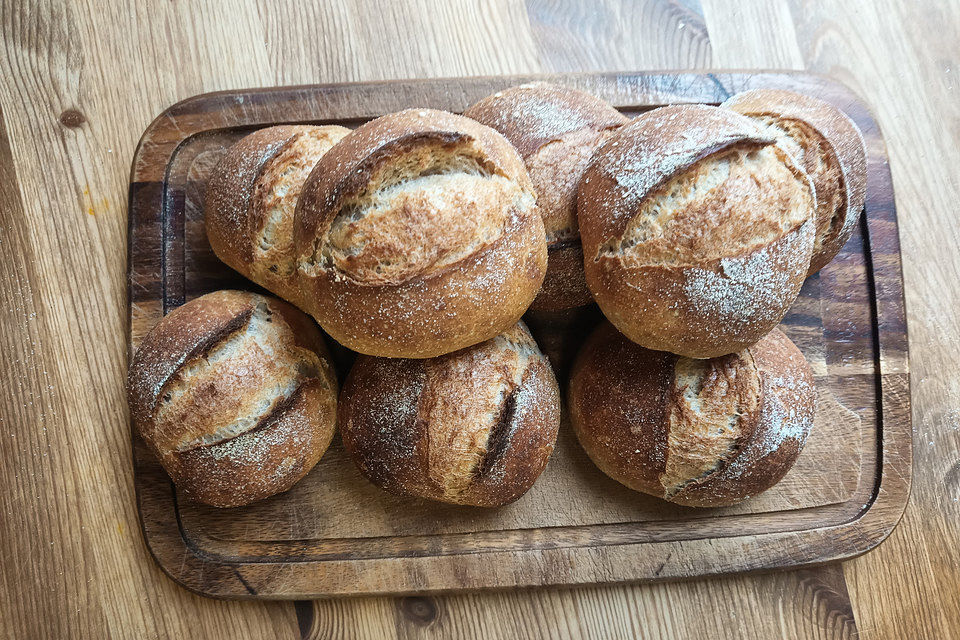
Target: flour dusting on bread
417,235
235,395
472,427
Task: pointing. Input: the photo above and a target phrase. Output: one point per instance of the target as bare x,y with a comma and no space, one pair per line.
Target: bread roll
703,433
250,201
474,427
830,148
697,230
556,130
235,395
418,235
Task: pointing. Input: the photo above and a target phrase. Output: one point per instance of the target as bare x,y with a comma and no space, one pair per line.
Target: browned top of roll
695,432
250,201
837,164
244,373
472,427
531,115
780,425
231,189
395,236
648,152
697,229
840,132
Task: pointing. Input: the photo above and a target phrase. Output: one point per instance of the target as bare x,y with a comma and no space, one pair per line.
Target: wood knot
72,118
420,610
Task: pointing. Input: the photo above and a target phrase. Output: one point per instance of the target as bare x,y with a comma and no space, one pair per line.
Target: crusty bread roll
250,201
474,427
235,395
830,148
701,433
697,230
417,235
556,130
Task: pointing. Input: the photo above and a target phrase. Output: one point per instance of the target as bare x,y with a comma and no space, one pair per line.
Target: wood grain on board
336,534
81,80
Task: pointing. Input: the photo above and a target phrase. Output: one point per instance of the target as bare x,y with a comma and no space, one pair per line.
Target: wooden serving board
336,534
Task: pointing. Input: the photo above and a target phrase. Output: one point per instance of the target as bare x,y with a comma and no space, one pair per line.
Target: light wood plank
905,59
70,528
612,35
753,34
798,604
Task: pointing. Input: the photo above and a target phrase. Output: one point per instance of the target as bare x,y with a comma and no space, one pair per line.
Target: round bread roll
703,433
830,148
474,427
418,235
250,200
697,230
556,130
235,395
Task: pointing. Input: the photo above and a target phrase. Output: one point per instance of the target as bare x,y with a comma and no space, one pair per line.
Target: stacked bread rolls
699,225
419,240
556,130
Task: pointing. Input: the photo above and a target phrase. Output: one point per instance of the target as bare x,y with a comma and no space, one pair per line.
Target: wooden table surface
82,79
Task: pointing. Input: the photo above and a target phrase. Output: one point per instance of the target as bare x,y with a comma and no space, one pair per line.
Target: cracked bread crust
235,394
475,427
697,230
829,146
390,264
556,130
251,197
695,432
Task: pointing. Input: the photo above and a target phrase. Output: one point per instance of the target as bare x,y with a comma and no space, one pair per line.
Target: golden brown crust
715,308
655,210
262,463
698,433
229,192
713,405
532,115
255,183
830,143
235,395
777,434
555,171
474,427
556,130
349,168
405,287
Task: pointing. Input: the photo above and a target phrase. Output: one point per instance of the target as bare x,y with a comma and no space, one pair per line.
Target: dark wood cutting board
336,534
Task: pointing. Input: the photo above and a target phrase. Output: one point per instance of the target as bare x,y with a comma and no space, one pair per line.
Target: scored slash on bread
694,432
235,394
251,197
473,427
555,130
697,230
418,234
830,148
